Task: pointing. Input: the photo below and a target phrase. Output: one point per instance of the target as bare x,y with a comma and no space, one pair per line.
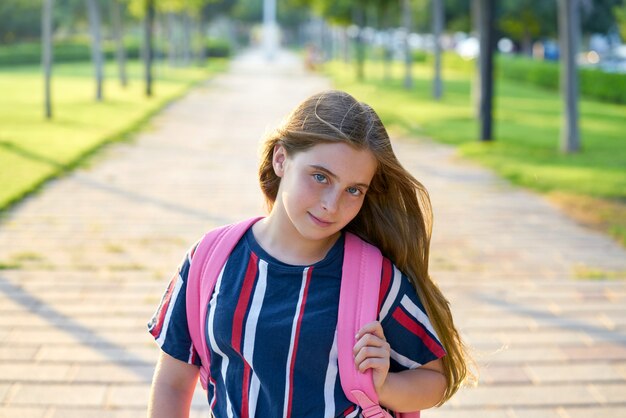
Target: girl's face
322,189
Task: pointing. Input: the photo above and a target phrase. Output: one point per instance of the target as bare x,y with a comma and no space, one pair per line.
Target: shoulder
396,290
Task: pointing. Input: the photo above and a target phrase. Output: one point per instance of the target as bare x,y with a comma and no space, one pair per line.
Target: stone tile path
94,250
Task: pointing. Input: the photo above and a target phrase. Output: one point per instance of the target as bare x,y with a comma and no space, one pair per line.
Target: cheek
351,207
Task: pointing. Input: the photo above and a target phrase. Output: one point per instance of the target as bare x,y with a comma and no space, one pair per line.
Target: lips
319,222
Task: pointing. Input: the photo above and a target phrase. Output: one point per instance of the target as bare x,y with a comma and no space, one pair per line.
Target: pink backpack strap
358,305
207,263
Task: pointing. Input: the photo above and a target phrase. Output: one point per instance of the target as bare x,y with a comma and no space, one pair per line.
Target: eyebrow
335,176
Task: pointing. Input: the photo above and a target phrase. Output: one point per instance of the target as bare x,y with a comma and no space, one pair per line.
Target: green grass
33,149
527,124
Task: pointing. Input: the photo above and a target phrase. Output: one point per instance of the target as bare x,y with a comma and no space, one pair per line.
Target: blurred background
547,94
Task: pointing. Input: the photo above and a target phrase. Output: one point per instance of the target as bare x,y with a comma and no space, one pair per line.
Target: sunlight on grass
33,149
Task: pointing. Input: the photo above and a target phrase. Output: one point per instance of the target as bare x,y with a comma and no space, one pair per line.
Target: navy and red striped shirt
271,330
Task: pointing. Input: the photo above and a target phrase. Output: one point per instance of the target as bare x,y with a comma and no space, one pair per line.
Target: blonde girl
328,169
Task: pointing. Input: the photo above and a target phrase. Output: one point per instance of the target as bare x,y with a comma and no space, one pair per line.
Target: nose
330,201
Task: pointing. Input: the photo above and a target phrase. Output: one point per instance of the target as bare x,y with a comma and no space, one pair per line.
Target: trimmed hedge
77,51
593,84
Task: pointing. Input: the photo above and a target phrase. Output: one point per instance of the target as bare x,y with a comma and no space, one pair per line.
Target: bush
218,48
77,51
65,51
609,87
593,84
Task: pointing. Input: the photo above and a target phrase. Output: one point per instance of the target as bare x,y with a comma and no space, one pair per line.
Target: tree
96,45
118,34
149,13
620,18
438,16
408,57
526,20
568,37
47,53
599,16
19,20
486,32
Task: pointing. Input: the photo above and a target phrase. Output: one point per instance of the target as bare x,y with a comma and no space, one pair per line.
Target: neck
277,235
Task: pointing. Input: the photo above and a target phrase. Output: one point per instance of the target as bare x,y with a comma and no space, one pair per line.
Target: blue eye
354,191
320,178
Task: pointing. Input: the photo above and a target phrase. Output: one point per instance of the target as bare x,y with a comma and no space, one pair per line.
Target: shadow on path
115,354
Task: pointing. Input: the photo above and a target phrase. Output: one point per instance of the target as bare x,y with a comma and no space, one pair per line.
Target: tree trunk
186,38
47,54
96,45
568,38
408,57
438,17
202,52
527,43
475,11
148,48
359,18
486,68
172,39
118,34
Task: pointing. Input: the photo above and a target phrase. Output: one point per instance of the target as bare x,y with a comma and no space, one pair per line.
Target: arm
173,385
410,390
413,390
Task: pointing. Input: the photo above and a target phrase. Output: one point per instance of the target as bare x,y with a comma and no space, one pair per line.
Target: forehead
348,163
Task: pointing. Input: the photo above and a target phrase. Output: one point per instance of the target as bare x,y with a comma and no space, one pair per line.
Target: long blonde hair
396,215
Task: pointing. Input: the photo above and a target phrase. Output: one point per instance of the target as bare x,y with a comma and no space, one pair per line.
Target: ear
278,160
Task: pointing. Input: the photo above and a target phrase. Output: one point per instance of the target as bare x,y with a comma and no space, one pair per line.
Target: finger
371,352
373,363
368,340
373,327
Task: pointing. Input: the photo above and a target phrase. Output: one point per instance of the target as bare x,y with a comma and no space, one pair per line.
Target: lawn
33,149
525,149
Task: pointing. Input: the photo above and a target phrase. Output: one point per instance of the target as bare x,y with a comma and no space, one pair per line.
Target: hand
372,351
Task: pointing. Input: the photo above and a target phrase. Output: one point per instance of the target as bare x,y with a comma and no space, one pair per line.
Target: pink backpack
358,305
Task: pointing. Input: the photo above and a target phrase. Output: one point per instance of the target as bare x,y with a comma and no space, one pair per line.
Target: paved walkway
95,250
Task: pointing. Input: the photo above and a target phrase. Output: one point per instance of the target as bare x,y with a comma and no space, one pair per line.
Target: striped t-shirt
271,330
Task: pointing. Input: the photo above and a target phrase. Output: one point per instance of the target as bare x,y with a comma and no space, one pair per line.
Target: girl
272,319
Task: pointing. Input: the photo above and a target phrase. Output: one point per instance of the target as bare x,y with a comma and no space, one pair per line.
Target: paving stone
17,353
98,413
598,351
446,412
112,373
500,396
536,413
4,390
24,412
492,375
596,412
584,372
32,372
59,395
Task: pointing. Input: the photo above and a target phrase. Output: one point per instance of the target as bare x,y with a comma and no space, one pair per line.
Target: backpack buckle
375,411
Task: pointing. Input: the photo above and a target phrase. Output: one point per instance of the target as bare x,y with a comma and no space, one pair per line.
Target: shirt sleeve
168,326
405,323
